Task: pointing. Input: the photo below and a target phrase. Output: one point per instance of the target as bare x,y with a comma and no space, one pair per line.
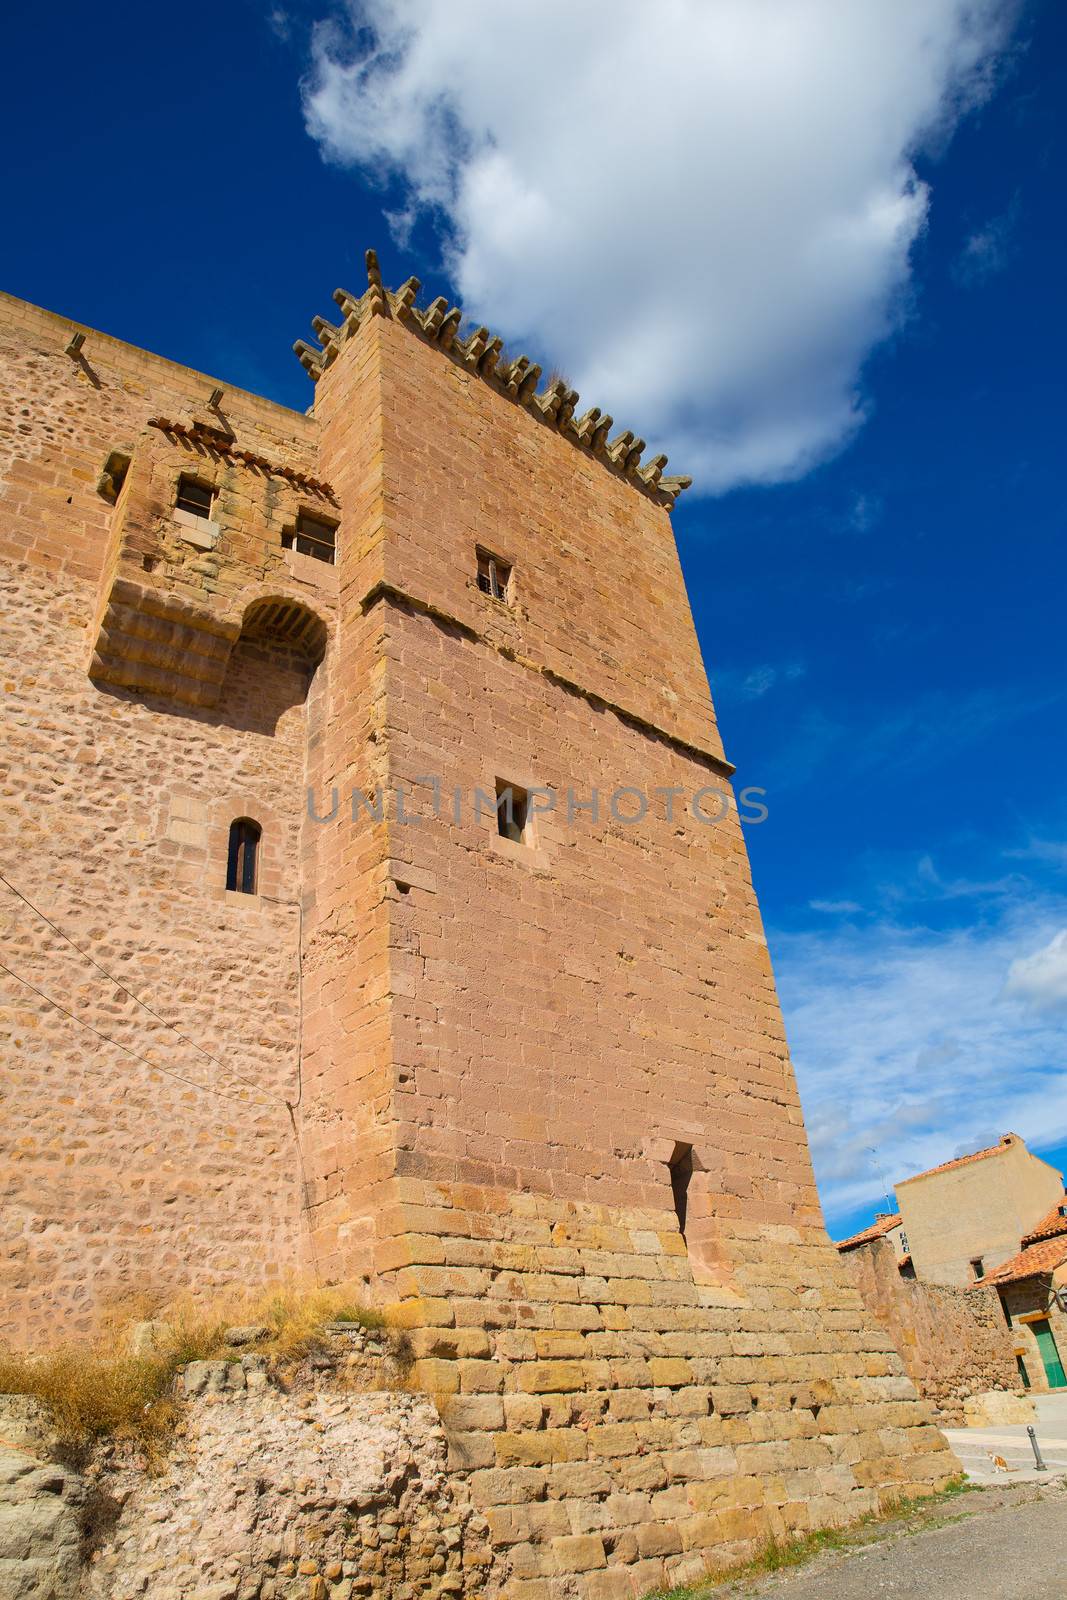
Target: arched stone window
242,863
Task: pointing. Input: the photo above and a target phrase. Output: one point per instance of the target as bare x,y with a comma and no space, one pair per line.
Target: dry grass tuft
116,1386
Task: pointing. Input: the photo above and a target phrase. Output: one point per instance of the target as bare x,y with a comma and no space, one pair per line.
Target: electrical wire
167,1071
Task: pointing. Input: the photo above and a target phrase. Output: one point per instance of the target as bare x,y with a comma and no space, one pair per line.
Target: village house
970,1275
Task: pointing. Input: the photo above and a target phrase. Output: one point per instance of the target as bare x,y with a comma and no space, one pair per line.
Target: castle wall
954,1342
492,1050
117,1177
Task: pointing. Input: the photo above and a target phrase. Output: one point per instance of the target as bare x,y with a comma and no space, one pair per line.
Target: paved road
1015,1552
976,1447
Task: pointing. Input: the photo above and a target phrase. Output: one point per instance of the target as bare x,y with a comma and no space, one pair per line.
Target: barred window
494,576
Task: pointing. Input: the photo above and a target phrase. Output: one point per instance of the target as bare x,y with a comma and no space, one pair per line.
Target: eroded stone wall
954,1343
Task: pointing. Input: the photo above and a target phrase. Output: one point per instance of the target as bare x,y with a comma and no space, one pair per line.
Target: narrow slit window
978,1267
681,1171
242,864
311,537
195,497
494,576
512,811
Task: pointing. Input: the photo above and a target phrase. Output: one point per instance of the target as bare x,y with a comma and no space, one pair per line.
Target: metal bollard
1041,1467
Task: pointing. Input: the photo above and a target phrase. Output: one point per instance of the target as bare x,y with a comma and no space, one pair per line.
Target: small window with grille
494,576
195,497
312,537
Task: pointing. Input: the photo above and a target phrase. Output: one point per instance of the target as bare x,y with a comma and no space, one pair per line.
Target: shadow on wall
269,673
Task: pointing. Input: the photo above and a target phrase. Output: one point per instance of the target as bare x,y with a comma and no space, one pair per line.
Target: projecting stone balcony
179,589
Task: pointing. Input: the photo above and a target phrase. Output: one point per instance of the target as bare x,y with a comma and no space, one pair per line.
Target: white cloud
836,908
702,212
1040,980
922,1042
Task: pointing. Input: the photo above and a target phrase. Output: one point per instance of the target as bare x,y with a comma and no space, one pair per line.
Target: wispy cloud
1039,980
705,214
280,23
921,1042
1053,852
752,683
914,736
836,908
866,512
988,250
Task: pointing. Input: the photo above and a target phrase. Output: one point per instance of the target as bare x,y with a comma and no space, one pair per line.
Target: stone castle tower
523,1074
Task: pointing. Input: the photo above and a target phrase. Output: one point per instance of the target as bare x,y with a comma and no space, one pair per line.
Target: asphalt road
1006,1552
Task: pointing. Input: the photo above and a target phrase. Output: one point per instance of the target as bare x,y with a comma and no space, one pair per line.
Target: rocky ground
309,1486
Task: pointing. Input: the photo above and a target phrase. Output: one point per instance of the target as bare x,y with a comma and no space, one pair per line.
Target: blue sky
836,297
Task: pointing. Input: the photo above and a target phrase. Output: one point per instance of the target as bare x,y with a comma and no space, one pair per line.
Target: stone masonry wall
492,1050
117,1177
954,1343
554,1018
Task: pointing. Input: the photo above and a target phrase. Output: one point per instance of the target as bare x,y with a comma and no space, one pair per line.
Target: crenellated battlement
482,352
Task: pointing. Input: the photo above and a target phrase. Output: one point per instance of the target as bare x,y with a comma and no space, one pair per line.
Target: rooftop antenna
880,1175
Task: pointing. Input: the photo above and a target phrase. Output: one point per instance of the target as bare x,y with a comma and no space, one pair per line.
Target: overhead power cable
167,1071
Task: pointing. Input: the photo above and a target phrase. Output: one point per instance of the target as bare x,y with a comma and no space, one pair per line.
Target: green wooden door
1046,1344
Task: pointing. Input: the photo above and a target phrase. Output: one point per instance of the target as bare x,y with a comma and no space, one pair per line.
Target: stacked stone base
624,1427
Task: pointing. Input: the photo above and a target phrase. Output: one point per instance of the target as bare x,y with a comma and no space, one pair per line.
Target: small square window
494,576
312,538
512,812
195,497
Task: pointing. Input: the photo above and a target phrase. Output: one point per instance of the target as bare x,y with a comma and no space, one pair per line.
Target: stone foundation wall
623,1427
954,1343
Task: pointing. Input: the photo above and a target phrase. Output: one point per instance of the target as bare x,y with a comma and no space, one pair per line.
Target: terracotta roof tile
1005,1142
1045,1256
877,1230
1048,1227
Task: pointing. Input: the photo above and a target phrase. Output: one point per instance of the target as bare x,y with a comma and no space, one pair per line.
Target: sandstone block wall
623,1427
554,1019
954,1342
